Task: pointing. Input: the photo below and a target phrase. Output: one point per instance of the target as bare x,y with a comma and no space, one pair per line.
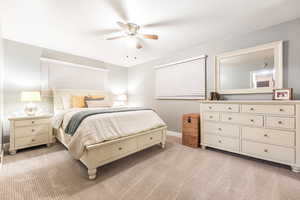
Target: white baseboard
174,133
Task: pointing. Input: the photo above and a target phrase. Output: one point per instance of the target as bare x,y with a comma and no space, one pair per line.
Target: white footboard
99,154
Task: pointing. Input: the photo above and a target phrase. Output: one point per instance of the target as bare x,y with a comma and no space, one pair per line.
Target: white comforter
101,127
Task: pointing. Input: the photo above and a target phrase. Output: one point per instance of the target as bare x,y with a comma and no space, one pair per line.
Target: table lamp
30,97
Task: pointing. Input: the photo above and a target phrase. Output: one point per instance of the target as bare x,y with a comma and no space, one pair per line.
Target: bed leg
92,173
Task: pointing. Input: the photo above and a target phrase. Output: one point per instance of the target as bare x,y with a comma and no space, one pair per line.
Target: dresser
268,130
30,131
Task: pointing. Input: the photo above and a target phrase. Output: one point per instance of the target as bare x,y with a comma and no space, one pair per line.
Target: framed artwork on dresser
283,94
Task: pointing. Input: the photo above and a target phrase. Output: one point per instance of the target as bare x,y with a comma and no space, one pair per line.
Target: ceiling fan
132,30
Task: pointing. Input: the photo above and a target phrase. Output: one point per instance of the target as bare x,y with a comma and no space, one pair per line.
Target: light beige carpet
178,172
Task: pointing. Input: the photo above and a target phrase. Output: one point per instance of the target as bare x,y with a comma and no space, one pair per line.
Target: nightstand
28,131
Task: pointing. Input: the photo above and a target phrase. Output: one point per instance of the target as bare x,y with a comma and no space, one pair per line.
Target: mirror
253,70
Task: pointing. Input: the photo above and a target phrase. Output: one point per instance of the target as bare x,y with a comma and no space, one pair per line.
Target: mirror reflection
248,71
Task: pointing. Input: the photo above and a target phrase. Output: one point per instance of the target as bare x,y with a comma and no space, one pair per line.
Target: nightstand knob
32,130
32,140
229,118
151,138
279,122
220,141
120,148
266,150
281,110
32,122
252,109
252,120
220,129
266,135
229,108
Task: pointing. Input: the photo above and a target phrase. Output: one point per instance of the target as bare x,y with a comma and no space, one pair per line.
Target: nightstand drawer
31,130
31,140
32,122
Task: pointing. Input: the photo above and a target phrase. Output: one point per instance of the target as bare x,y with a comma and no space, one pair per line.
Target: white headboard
59,93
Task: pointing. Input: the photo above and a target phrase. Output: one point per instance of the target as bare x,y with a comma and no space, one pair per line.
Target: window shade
182,80
63,75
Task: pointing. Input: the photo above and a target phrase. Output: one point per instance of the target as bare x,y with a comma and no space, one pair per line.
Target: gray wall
22,72
1,86
142,81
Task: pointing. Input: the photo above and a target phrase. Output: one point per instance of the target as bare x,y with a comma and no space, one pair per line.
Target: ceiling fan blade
152,37
123,25
170,22
120,8
115,37
104,31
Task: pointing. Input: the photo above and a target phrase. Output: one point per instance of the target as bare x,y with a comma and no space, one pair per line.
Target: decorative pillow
78,102
93,98
66,100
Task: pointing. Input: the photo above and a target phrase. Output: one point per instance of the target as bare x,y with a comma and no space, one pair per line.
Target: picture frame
283,94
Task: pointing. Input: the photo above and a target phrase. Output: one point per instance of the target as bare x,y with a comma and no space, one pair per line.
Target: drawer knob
209,107
32,140
266,150
220,129
252,120
210,117
229,108
120,148
252,109
151,138
220,141
281,110
32,130
279,122
229,118
266,135
32,122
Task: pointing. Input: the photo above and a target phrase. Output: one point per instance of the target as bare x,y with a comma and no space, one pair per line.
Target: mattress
103,127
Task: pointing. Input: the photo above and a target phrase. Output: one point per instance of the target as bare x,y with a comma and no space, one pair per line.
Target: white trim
278,66
72,64
181,61
174,133
182,97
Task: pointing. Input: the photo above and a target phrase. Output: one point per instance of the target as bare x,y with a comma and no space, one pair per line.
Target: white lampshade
122,97
31,96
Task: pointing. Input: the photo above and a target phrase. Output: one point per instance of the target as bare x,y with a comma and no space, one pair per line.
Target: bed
139,129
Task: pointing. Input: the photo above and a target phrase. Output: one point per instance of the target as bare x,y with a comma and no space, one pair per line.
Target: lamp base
30,109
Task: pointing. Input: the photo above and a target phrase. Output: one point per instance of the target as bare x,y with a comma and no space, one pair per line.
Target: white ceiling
77,27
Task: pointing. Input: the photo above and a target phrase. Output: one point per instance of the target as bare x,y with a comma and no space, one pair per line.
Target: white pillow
97,103
67,101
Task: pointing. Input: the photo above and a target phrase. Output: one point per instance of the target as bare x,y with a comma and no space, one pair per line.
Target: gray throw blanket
77,118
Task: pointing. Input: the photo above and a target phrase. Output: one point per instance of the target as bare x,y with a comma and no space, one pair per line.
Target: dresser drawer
149,139
31,140
220,107
211,116
31,130
283,138
269,109
221,142
268,151
253,120
280,122
32,122
221,129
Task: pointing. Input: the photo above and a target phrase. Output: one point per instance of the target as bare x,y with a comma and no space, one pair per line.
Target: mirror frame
278,65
